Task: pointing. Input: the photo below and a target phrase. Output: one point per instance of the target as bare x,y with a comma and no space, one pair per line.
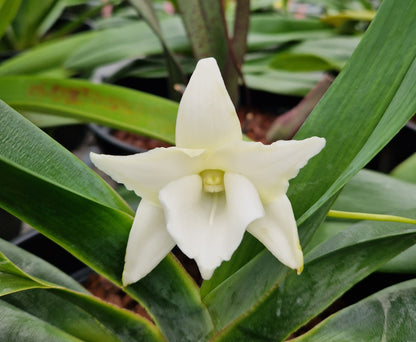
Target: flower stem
370,217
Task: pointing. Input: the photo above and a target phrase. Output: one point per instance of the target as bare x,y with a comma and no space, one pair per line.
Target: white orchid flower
203,194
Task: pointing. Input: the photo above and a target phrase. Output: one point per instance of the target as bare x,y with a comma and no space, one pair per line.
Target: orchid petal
146,173
269,167
209,226
278,232
206,115
149,242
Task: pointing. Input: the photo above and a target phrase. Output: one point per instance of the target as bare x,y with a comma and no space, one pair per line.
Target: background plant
252,296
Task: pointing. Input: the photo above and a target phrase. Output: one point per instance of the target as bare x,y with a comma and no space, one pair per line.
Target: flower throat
212,180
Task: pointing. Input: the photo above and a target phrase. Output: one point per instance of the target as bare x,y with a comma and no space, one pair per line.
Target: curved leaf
374,192
329,272
22,266
113,106
381,87
320,54
73,312
19,326
132,40
45,57
385,316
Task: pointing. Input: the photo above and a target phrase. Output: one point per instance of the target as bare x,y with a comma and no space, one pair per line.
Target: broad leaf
20,265
268,30
132,40
113,106
73,312
382,88
385,316
321,54
377,193
19,326
329,272
44,57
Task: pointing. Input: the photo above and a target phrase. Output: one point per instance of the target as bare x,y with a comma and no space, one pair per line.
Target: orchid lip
212,180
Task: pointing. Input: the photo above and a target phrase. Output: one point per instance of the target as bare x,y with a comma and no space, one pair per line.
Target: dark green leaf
73,311
19,326
329,272
15,261
385,316
8,9
381,87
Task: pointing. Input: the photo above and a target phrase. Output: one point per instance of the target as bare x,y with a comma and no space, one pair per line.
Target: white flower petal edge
206,115
277,231
203,194
148,243
209,226
143,173
269,167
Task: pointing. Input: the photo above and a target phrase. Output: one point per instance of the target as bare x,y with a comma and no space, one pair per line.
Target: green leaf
203,21
44,57
384,316
17,264
8,10
373,192
83,316
314,55
19,326
229,297
282,82
329,272
377,193
28,21
132,40
76,313
383,88
68,203
406,170
112,106
268,30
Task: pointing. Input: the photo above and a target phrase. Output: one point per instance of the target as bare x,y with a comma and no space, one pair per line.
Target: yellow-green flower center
212,180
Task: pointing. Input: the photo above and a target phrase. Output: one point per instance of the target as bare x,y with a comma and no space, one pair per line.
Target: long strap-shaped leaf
50,189
113,106
329,272
62,310
373,97
382,317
